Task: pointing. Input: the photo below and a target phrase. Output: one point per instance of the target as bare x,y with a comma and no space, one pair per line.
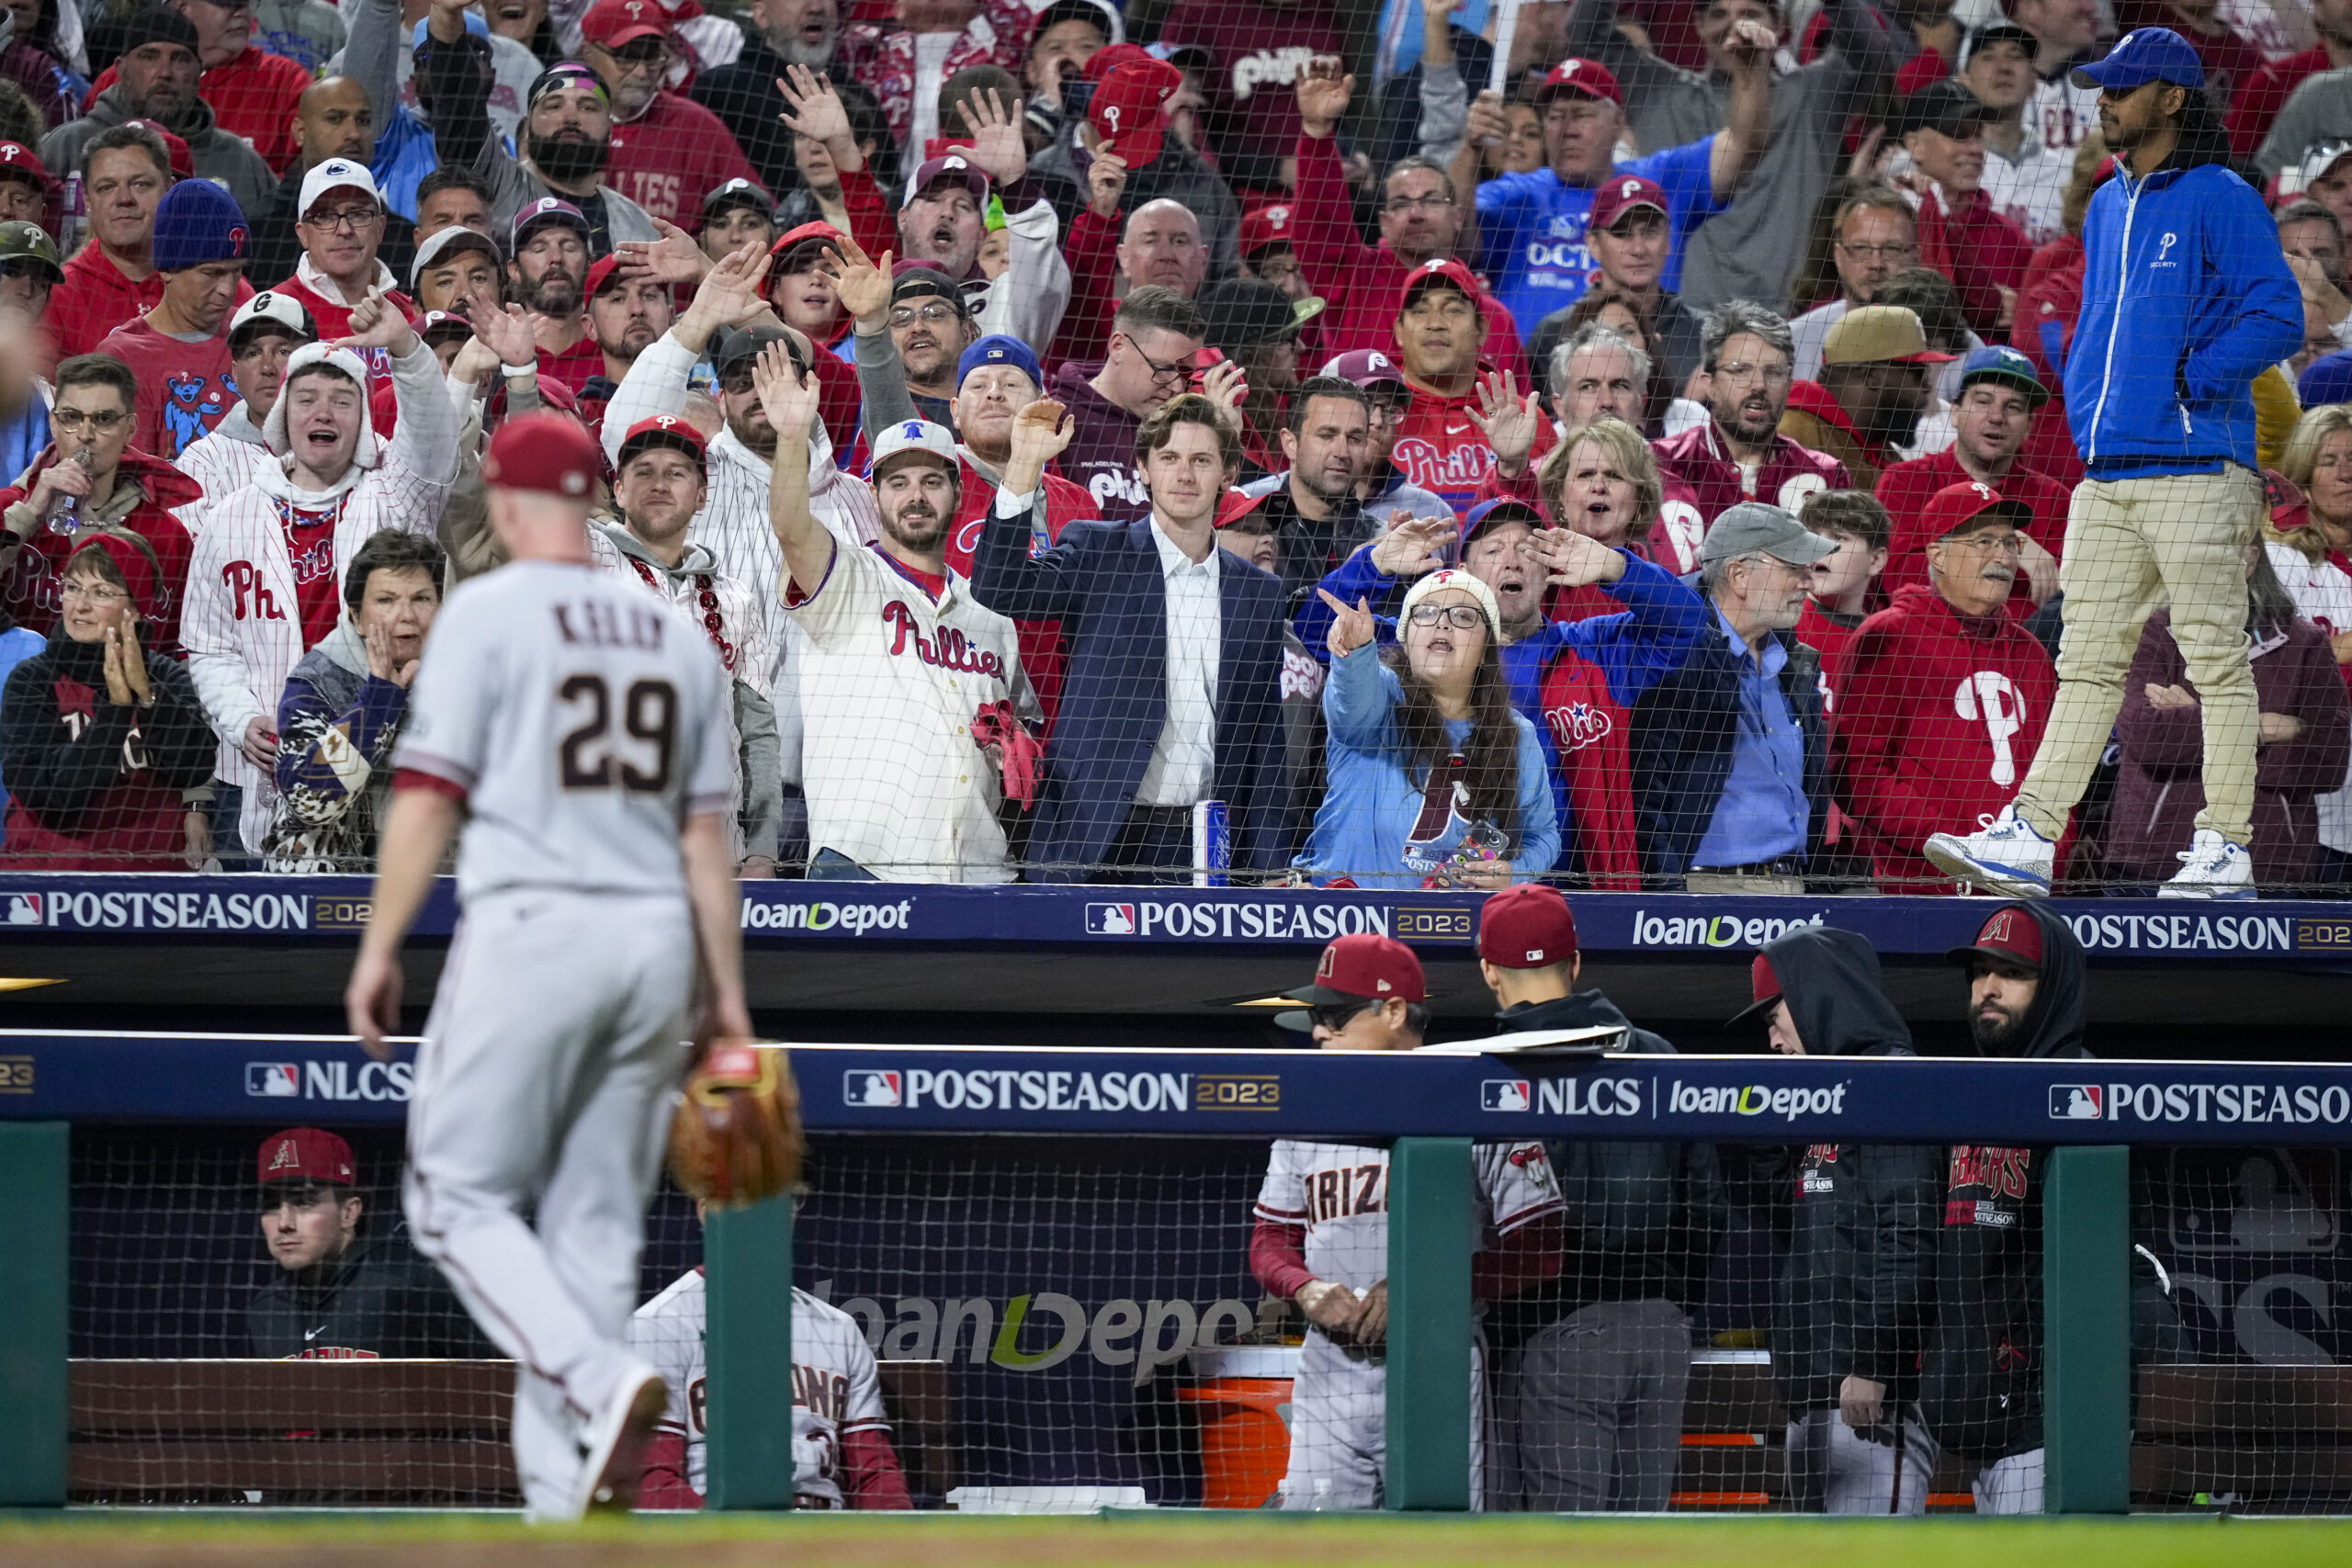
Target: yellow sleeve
2276,413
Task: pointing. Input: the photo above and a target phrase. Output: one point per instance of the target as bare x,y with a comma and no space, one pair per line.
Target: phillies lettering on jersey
950,650
249,600
1987,1186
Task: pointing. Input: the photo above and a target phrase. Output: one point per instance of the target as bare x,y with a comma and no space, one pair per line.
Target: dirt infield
96,1539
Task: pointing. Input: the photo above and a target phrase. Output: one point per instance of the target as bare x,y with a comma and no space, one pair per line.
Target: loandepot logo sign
1713,930
1040,1330
846,919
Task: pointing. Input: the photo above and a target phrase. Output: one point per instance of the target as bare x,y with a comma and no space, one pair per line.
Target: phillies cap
444,244
1502,509
999,349
1526,927
2005,364
918,435
2009,932
271,311
334,175
1586,78
306,1154
196,222
1104,61
1237,505
544,452
612,23
1879,335
1365,966
442,326
1438,271
18,162
175,150
1956,508
545,210
29,243
2141,56
1365,367
664,430
795,247
1128,110
1765,986
600,274
1266,226
1621,194
954,166
737,192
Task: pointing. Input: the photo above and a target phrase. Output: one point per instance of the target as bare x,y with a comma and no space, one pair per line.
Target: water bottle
65,517
77,209
1211,845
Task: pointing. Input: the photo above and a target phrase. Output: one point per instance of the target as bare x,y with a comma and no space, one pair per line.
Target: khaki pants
2134,546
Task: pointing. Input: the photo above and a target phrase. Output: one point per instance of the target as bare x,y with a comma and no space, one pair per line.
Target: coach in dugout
339,1296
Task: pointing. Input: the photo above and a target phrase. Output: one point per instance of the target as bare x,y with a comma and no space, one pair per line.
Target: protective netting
1073,1321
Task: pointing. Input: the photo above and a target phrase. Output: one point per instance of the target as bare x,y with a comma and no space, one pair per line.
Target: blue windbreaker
2186,299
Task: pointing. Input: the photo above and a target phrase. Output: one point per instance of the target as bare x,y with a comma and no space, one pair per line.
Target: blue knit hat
2327,380
196,222
999,349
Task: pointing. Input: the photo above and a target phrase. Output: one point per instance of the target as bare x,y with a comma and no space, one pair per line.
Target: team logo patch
873,1088
2076,1102
1504,1094
24,909
273,1081
1110,920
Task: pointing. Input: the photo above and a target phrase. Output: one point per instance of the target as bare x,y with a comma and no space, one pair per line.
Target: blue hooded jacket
2186,299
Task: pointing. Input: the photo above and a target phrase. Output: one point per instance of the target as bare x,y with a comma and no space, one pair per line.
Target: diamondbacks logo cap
306,1154
2010,934
1527,926
1365,967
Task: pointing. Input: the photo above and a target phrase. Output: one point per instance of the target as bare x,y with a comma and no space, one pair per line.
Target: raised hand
863,283
1351,628
790,401
504,330
118,682
1042,431
675,257
1571,560
1414,544
817,114
997,144
1486,125
1324,89
1224,386
1106,182
1509,422
1751,44
728,294
377,323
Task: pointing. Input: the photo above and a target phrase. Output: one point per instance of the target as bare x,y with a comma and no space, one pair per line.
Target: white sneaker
2210,867
612,1458
2006,856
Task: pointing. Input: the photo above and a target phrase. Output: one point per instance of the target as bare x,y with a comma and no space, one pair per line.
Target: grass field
213,1540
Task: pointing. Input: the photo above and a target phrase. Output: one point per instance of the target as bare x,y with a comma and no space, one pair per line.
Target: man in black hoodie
1851,1317
1593,1364
1981,1387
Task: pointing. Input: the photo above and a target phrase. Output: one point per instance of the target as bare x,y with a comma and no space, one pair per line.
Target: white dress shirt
1183,771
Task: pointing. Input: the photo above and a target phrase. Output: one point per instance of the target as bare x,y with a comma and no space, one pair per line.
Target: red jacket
253,95
1829,636
1938,717
94,299
1360,283
1440,449
1906,489
31,584
2049,303
1969,241
1594,733
673,156
1091,250
1789,472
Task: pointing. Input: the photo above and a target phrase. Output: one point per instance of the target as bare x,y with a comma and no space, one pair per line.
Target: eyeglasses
929,315
1460,617
1879,252
353,219
1433,200
1989,544
1387,411
96,593
632,59
1740,370
106,422
1336,1016
1173,370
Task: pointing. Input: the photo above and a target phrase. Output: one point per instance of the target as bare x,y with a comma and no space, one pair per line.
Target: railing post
34,1213
2086,1331
748,1254
1429,1242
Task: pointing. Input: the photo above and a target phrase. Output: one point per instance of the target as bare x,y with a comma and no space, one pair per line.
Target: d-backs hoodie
1981,1384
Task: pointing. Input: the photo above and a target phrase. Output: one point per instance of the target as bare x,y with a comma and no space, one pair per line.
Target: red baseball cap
22,162
1527,926
306,1154
793,239
664,430
1622,194
612,23
183,162
1430,273
544,452
1128,110
1109,58
1764,986
2289,509
600,274
2009,932
1365,966
1266,226
1365,367
1586,78
1954,507
1236,505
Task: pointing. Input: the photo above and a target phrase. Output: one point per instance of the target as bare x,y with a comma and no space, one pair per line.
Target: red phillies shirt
1788,473
1939,714
1442,449
334,321
1594,732
1906,489
184,388
574,366
96,298
671,156
1042,655
310,547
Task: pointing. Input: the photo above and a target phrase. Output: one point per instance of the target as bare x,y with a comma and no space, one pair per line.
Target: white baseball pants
1339,1426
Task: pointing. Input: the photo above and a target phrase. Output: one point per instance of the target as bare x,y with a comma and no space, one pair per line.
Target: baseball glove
735,1139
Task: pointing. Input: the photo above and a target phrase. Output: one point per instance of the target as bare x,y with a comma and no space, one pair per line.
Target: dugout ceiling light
19,983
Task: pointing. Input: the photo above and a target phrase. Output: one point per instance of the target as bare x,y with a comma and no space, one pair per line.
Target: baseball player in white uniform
580,734
903,661
842,1456
1322,1240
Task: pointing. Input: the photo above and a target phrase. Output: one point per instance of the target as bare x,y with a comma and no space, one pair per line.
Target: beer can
1211,845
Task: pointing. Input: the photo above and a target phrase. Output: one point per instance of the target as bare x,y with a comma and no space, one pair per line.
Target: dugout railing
2194,1422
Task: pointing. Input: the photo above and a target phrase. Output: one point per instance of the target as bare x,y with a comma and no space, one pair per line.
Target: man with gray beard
744,94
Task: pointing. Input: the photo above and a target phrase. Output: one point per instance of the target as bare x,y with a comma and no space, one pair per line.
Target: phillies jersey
1939,714
1788,473
580,723
1441,449
835,1388
1339,1194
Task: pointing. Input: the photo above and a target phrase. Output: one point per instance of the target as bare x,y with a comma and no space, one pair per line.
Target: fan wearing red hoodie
1441,443
1739,454
1943,697
1962,233
1847,583
1999,397
801,287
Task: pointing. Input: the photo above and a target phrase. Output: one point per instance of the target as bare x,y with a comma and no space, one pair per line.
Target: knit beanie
196,222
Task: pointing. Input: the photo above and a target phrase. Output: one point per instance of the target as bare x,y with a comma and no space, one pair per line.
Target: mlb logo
2077,1103
1110,920
1503,1094
273,1081
24,909
871,1088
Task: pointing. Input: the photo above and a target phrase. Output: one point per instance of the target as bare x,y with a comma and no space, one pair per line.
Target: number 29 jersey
580,721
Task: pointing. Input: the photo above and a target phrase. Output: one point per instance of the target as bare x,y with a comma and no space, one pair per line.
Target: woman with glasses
1434,781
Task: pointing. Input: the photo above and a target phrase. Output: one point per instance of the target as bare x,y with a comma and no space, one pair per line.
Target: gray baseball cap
1754,528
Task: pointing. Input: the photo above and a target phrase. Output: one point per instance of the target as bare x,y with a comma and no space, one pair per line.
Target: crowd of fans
1639,460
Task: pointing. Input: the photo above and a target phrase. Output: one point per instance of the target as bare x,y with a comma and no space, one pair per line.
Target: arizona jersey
1339,1194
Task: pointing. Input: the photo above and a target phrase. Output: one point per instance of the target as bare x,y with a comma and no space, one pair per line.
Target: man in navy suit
1172,694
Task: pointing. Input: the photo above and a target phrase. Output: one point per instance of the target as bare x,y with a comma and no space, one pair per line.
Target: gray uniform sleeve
763,772
882,381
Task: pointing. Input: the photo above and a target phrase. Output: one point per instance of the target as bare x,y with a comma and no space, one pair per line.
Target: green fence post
1429,1242
33,1345
748,1254
2086,1331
